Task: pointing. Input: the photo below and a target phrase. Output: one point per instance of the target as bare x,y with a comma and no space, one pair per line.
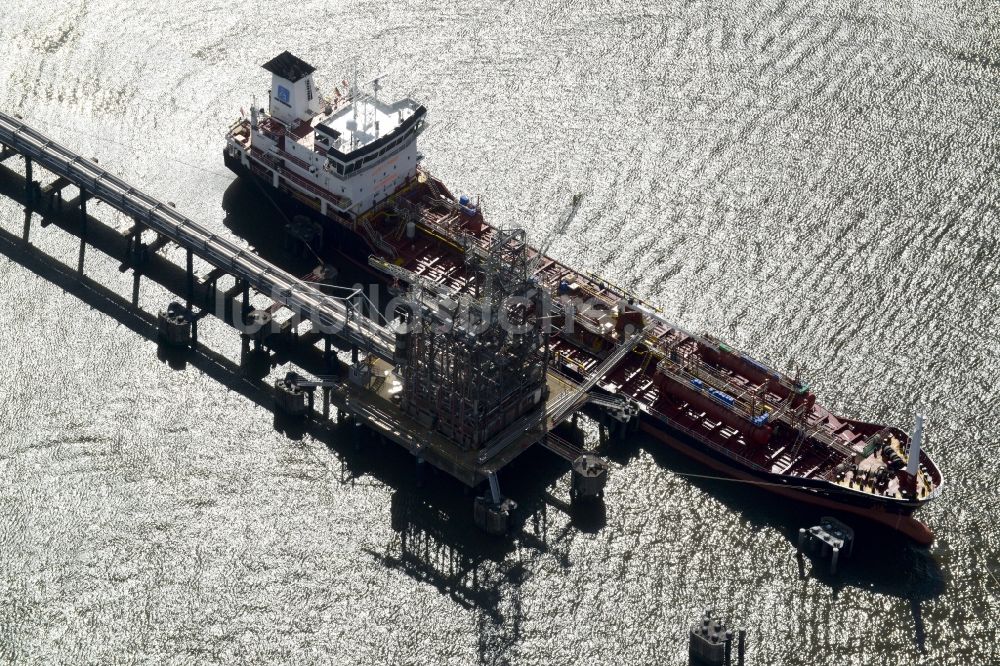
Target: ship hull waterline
906,525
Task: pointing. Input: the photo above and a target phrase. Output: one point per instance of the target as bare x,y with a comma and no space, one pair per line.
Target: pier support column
492,517
245,305
289,397
590,475
420,471
710,642
258,324
136,253
211,293
212,302
491,513
29,190
135,287
190,279
131,258
83,230
359,433
326,402
830,538
174,325
53,200
26,232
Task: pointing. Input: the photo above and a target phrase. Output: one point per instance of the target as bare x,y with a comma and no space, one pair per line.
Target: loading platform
372,400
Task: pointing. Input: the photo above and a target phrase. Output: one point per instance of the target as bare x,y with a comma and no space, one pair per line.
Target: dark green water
814,182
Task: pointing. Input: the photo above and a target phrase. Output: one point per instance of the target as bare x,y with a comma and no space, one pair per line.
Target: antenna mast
354,105
375,88
354,91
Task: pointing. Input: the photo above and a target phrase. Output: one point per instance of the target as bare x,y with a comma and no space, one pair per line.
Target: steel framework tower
474,363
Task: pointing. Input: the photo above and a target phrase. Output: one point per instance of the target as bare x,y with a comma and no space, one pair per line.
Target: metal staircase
376,239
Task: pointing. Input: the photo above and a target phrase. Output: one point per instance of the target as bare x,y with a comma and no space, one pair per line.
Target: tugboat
351,159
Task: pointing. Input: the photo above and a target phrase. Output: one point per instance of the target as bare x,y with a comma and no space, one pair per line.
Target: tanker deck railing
685,373
729,453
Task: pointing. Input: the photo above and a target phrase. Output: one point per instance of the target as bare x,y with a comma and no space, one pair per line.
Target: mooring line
747,481
992,576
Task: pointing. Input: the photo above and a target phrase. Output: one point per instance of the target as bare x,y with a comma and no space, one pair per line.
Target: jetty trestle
367,391
328,311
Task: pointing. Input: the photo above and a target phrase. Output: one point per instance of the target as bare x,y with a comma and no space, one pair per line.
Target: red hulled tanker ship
352,158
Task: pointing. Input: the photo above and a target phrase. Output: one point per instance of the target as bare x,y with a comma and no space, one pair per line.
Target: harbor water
811,182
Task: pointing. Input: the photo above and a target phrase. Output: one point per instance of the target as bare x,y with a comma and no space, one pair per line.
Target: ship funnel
293,96
913,457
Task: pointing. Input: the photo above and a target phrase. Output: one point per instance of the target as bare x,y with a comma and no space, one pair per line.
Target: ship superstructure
358,170
344,153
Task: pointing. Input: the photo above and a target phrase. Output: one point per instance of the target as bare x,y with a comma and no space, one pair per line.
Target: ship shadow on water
883,561
250,215
435,542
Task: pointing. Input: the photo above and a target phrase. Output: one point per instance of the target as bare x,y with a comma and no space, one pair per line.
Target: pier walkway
329,313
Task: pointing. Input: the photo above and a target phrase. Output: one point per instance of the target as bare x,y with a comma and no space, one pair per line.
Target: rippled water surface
814,182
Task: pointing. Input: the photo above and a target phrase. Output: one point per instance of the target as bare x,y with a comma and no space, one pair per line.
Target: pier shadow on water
250,215
435,540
